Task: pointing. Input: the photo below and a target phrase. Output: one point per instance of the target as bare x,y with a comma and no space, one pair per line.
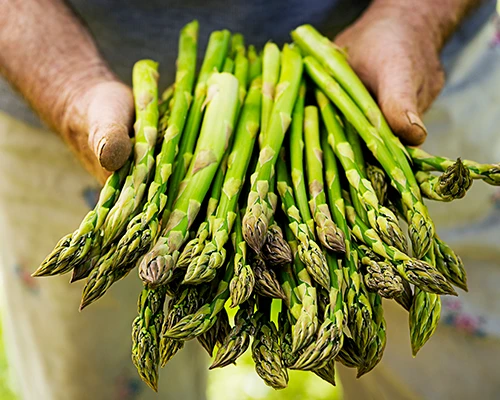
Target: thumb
397,96
110,118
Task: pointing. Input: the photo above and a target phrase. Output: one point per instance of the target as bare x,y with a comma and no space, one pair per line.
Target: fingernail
415,120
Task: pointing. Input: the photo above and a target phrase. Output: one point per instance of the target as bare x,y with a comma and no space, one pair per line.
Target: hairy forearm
437,19
48,56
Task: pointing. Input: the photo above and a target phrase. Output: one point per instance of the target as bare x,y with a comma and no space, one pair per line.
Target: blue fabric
126,31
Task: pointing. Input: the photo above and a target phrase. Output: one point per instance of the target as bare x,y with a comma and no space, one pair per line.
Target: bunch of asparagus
218,208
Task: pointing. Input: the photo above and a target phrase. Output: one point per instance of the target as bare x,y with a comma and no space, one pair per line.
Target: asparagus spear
372,354
270,74
145,87
204,267
243,281
145,332
296,147
308,250
204,318
306,325
359,311
416,272
228,65
185,303
330,336
73,249
266,353
452,184
266,282
380,218
276,251
379,275
424,316
195,246
327,373
259,206
489,173
377,177
350,354
215,54
157,266
254,63
216,334
449,264
328,233
238,340
421,227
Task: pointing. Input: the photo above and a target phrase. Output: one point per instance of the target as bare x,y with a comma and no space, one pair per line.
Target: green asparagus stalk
308,250
217,48
266,282
372,354
416,272
421,227
356,145
452,184
350,354
243,281
380,275
185,303
145,335
216,334
327,373
259,206
238,340
195,246
330,336
254,63
266,353
424,316
306,326
270,74
359,311
329,235
276,251
73,249
157,266
204,267
489,173
297,158
228,65
204,318
241,72
145,87
377,177
164,105
380,218
449,264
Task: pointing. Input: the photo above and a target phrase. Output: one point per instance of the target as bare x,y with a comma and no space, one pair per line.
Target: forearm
48,56
437,19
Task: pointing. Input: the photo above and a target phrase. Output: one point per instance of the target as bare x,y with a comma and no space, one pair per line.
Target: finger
110,117
397,91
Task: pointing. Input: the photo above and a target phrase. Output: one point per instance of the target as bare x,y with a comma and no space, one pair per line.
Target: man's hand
394,47
47,54
96,125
